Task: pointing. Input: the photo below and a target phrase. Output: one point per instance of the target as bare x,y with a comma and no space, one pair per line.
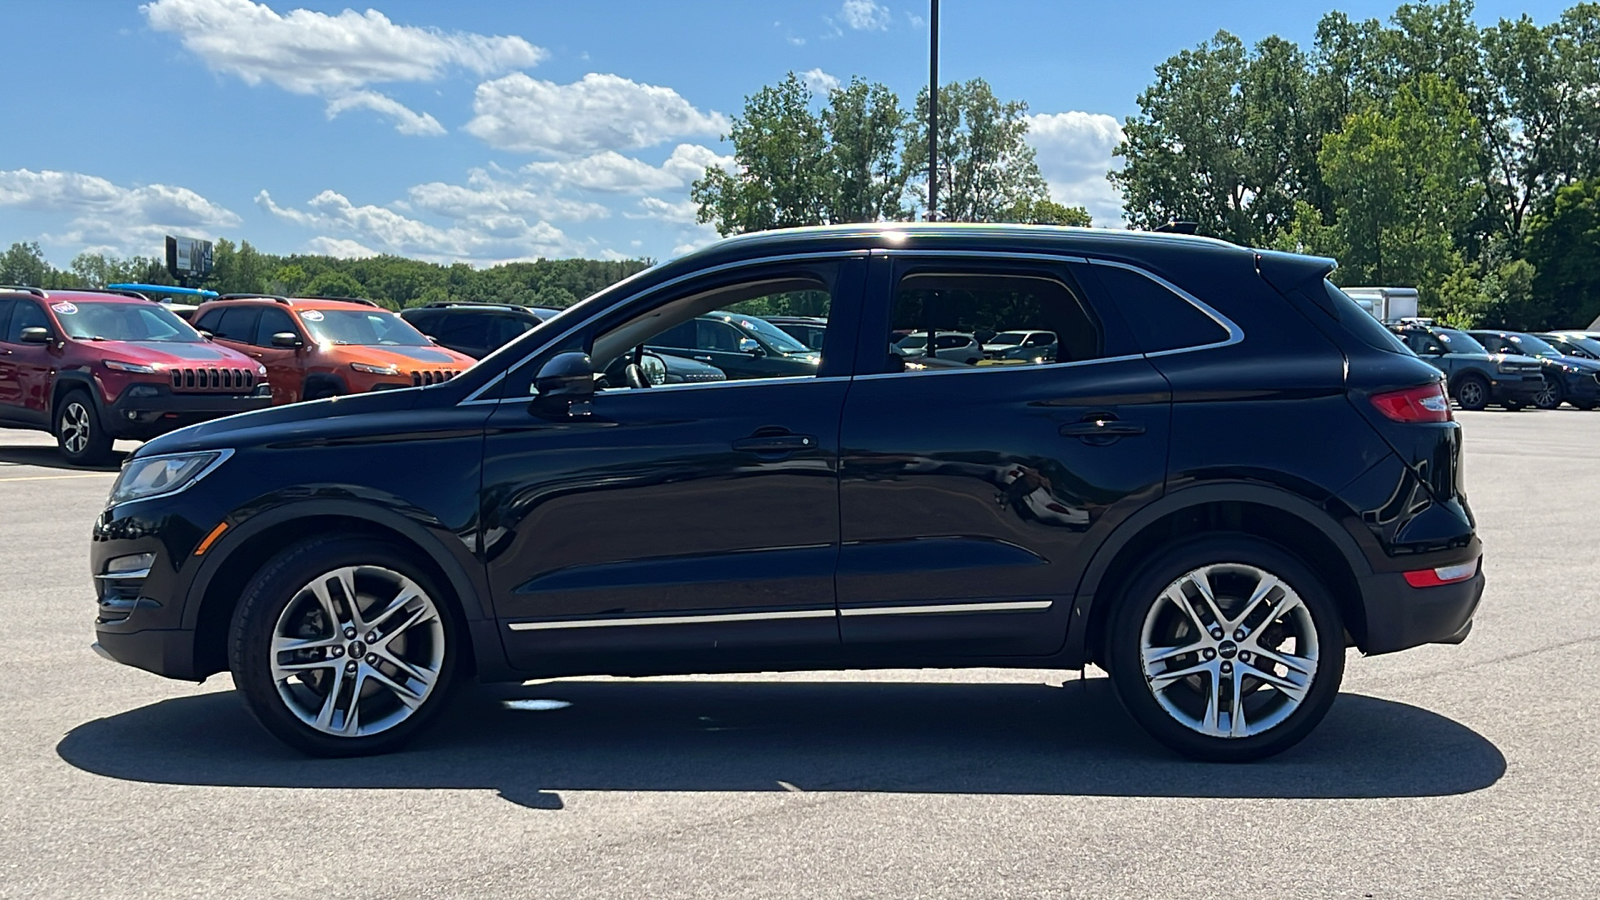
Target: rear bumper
147,410
1401,616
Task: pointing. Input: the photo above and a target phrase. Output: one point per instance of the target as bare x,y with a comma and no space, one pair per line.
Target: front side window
1528,345
363,327
26,314
92,321
273,321
950,310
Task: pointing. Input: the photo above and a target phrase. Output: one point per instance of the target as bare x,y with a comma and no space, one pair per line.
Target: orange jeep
316,347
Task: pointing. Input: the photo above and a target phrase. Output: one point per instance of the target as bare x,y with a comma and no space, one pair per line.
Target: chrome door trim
993,606
704,619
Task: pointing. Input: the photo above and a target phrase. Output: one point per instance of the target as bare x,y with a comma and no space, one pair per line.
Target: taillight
1427,403
1443,575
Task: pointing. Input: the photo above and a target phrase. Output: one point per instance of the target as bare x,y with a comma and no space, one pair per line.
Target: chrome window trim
701,619
731,382
993,606
971,370
473,397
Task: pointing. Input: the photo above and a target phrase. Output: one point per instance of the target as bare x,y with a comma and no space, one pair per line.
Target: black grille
229,380
430,377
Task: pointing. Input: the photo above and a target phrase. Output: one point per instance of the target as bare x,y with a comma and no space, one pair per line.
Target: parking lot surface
1441,772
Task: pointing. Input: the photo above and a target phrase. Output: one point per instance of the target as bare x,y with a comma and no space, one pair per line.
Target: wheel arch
1278,516
240,554
74,380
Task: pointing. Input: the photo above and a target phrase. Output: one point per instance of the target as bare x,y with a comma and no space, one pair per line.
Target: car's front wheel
343,647
1226,649
1549,396
80,434
1472,392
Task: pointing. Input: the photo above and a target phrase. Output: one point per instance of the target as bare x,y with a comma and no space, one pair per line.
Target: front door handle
775,444
1101,428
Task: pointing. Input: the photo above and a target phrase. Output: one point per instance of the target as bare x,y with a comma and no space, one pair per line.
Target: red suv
94,366
316,347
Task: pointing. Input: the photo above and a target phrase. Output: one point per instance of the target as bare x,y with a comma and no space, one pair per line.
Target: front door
971,495
681,518
283,363
27,371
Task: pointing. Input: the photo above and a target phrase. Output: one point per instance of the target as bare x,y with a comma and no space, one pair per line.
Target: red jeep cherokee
94,366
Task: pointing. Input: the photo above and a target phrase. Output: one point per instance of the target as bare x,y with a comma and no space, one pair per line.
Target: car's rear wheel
82,438
343,647
1472,392
1549,396
1226,649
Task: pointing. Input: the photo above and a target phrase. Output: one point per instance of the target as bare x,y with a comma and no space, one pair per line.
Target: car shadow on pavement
529,742
46,457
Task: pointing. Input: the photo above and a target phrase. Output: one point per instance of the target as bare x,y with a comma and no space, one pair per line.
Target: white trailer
1387,304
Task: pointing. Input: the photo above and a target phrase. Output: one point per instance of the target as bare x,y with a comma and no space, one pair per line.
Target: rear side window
236,323
1161,320
956,307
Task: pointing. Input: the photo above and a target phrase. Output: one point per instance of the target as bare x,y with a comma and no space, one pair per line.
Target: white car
1006,341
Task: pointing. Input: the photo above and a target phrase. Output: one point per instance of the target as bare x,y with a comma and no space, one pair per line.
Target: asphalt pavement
1464,771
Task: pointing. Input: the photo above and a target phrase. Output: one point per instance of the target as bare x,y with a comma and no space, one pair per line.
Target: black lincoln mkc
1222,475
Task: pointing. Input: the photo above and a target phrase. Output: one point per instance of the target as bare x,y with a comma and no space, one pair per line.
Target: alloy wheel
1229,650
75,427
1549,396
1470,394
357,651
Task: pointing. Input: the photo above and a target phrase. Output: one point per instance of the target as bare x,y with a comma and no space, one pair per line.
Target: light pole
933,111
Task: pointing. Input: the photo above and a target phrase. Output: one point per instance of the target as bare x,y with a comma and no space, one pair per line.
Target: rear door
972,495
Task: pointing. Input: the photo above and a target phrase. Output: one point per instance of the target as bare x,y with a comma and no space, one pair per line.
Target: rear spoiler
1292,273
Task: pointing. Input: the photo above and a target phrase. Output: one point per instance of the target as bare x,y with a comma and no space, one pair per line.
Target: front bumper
1400,616
146,410
1520,390
1581,387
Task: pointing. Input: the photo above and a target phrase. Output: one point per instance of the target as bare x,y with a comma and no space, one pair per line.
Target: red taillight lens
1427,403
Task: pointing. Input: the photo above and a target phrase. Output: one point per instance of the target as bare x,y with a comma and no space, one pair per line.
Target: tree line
393,281
1426,151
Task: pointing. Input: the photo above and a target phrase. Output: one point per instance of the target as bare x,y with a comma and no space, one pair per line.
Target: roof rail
280,299
362,300
25,289
446,304
1178,226
124,292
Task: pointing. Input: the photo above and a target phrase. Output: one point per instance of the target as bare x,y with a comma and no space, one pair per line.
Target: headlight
261,371
1508,368
136,368
158,476
375,370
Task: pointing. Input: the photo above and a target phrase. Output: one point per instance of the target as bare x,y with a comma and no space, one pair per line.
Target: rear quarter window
1360,323
1160,319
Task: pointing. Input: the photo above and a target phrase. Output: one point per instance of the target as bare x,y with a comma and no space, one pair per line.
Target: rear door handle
1101,428
770,444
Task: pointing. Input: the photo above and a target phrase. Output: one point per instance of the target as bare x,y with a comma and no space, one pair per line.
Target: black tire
83,439
1142,602
1472,392
1550,396
281,592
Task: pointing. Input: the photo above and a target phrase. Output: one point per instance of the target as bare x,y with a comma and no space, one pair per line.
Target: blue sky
488,131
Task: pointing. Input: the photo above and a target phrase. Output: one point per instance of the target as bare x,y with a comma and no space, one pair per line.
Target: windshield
1009,337
123,322
778,339
367,327
1458,341
1532,346
1581,342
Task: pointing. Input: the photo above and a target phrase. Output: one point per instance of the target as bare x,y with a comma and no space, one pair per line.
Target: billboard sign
188,259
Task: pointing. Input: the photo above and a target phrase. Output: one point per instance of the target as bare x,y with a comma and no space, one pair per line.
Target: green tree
863,124
333,283
24,263
1564,247
1404,179
986,166
1044,211
781,153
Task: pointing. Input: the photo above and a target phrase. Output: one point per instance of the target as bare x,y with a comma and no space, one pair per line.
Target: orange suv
315,347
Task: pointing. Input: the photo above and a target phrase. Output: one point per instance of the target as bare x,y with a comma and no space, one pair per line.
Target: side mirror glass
286,339
749,345
35,335
565,385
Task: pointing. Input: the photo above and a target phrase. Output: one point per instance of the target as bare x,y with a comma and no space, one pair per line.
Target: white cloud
111,217
339,247
489,193
1074,153
488,237
819,81
610,172
864,15
406,120
333,57
600,112
679,212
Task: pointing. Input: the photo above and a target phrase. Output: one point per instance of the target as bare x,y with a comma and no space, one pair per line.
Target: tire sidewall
256,619
1127,622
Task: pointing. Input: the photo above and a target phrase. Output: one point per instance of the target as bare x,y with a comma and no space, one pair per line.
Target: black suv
476,329
1475,377
1227,474
743,346
1571,379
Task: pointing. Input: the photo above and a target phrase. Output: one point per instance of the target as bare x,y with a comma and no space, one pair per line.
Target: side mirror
287,339
749,345
36,335
565,385
207,335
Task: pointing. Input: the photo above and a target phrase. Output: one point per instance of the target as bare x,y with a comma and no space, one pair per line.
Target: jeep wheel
1226,649
1472,392
343,647
1549,396
79,434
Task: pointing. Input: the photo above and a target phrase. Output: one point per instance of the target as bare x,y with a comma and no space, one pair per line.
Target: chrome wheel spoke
1175,596
1202,585
412,699
1160,681
1289,661
330,701
1154,655
1293,690
1257,597
287,644
1236,722
379,621
1213,702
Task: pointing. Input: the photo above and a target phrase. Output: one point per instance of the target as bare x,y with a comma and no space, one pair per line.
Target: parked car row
1507,368
95,366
